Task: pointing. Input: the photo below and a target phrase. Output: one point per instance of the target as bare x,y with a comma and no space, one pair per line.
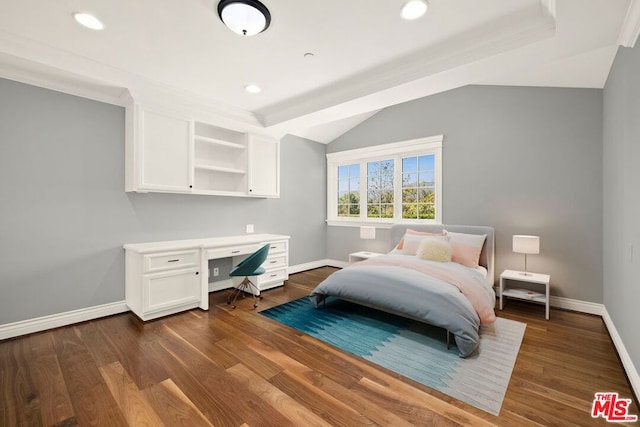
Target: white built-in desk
163,278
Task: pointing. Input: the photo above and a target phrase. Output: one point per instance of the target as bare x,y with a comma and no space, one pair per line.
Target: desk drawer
272,276
232,251
277,247
170,261
276,261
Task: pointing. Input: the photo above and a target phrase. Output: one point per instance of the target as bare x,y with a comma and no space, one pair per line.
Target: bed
449,295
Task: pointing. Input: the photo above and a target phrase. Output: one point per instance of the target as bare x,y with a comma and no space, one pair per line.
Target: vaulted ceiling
365,57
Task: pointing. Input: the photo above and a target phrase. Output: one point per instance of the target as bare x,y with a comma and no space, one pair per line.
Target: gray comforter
398,284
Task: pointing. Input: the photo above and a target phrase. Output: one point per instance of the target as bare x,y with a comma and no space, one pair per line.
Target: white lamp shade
367,232
526,244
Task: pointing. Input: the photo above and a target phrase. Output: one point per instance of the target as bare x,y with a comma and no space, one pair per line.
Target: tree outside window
349,191
387,183
380,189
418,187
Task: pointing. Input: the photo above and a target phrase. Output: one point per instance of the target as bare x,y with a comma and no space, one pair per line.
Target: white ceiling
365,56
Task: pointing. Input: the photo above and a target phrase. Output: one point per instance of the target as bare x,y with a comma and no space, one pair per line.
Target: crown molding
38,64
20,70
631,27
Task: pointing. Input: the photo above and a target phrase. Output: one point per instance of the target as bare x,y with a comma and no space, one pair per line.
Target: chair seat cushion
235,272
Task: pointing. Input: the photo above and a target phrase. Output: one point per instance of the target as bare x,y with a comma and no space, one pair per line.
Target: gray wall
64,215
621,225
522,160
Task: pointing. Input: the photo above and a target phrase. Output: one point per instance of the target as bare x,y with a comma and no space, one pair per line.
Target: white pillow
411,242
435,250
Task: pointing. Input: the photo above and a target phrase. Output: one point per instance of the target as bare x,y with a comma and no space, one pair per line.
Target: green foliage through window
399,181
418,187
380,189
349,191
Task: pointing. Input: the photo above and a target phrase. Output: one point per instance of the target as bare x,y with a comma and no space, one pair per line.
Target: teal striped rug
413,349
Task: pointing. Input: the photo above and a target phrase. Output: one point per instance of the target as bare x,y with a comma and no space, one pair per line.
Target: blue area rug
413,349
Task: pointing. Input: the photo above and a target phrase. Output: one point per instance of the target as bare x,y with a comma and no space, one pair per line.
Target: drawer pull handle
235,252
272,247
273,275
173,260
273,262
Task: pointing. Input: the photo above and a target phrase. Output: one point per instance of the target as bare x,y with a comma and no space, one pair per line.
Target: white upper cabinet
158,152
173,154
264,166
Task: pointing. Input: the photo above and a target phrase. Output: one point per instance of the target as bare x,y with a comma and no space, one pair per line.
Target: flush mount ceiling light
413,9
244,17
89,21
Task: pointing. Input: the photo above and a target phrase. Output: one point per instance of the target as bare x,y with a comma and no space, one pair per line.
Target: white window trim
420,146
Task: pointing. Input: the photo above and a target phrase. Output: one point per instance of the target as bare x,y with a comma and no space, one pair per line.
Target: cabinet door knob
197,272
191,186
250,190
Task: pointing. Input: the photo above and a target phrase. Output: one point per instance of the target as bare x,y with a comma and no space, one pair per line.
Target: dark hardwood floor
235,368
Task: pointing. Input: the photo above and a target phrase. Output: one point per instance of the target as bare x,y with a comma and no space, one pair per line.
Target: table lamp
526,245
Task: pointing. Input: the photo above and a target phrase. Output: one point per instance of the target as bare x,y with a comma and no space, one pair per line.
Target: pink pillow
416,233
466,248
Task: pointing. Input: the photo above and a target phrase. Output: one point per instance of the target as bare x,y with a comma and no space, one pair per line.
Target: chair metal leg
246,286
448,339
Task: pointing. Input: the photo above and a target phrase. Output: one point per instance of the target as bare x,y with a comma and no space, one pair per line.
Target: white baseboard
317,264
627,363
38,324
293,269
576,305
336,263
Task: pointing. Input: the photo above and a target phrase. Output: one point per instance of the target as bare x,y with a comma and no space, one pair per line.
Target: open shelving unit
219,160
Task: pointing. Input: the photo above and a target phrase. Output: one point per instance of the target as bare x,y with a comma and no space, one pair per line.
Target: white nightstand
361,256
525,294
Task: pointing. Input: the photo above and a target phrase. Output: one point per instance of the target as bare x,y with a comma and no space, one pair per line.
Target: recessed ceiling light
252,88
89,21
413,9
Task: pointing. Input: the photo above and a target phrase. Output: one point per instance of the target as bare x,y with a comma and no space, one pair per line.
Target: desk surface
206,243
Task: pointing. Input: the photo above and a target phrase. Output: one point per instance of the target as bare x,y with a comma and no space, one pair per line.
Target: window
418,187
386,183
380,189
349,191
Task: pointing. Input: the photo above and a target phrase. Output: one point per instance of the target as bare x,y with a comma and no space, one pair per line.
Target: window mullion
363,189
397,188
